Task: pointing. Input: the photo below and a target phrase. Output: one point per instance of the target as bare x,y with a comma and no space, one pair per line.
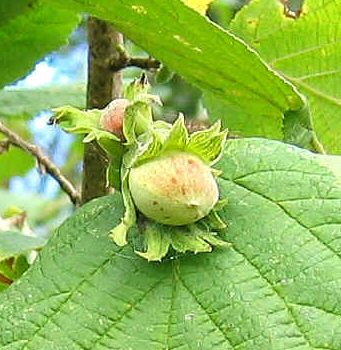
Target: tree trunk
103,86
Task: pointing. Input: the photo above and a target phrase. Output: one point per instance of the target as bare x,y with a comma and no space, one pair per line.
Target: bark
103,86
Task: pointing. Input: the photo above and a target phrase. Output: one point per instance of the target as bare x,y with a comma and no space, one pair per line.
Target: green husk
145,140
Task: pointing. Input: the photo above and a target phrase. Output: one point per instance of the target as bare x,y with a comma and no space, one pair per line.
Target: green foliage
276,287
298,130
306,51
18,245
240,87
28,102
17,161
215,61
31,35
11,269
38,209
15,244
10,9
164,75
273,282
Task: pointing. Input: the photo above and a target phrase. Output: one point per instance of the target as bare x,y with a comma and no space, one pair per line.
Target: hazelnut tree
226,237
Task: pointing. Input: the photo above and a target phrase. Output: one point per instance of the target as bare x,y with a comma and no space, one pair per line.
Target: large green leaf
204,54
277,286
29,36
306,51
14,102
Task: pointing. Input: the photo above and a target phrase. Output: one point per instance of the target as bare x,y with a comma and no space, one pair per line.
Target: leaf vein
212,319
290,313
289,215
131,307
64,302
317,308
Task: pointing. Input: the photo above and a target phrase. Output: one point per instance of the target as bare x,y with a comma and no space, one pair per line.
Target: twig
124,61
43,160
4,146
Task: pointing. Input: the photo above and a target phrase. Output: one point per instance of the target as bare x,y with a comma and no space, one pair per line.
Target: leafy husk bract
145,139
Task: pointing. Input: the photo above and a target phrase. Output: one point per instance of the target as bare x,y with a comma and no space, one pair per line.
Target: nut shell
177,188
112,117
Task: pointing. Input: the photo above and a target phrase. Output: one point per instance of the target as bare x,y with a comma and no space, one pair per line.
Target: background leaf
306,51
245,122
15,162
298,130
10,9
215,61
14,102
31,35
15,243
38,208
276,287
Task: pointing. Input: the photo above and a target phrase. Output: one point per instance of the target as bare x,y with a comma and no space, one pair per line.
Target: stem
103,87
43,161
124,60
5,280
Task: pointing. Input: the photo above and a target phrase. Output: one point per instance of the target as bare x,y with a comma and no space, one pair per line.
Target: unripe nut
177,188
112,117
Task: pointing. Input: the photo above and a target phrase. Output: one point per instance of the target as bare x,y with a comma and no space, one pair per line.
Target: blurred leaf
6,270
298,130
38,208
178,96
164,75
17,244
20,265
13,244
214,61
261,122
3,286
29,102
306,51
12,268
10,9
15,162
28,37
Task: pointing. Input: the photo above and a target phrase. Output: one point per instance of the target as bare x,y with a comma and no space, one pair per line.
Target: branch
124,61
43,160
103,86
